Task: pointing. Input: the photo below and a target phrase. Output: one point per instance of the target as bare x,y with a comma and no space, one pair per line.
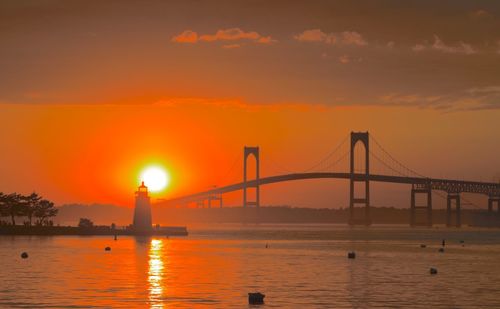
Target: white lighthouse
142,212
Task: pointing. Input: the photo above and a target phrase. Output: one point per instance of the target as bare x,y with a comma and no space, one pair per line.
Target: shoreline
98,230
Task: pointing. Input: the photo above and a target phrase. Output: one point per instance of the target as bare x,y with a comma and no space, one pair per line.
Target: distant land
122,216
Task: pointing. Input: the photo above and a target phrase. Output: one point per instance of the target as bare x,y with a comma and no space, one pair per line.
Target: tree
85,223
44,209
3,205
14,206
31,205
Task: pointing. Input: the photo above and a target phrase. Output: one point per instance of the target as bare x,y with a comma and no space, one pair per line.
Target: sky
92,92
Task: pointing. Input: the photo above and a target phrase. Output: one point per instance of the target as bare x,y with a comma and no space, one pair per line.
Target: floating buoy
462,241
24,255
441,250
115,237
433,271
107,249
351,255
423,246
267,246
256,298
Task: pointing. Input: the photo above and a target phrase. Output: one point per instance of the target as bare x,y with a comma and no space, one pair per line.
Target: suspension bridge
359,172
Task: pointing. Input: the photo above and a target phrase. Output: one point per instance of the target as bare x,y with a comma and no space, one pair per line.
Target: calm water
303,267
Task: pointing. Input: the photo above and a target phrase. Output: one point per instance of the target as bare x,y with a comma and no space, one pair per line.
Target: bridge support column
200,204
215,197
417,209
449,210
246,153
363,178
491,201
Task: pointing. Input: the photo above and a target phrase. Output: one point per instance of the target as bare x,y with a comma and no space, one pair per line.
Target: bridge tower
421,188
246,153
364,200
453,196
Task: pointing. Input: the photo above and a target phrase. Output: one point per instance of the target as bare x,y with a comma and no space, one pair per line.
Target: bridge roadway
448,185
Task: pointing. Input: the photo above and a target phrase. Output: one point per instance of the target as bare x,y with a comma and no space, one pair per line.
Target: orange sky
94,153
93,92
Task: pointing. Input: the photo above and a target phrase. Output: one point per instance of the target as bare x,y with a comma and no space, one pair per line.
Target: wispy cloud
480,14
439,45
187,36
478,98
341,38
231,34
345,59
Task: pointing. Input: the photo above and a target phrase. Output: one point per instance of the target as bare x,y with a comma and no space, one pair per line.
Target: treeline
33,207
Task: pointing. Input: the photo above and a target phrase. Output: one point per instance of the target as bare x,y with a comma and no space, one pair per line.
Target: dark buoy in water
24,255
443,243
116,237
107,249
267,246
433,271
423,246
441,250
351,255
256,298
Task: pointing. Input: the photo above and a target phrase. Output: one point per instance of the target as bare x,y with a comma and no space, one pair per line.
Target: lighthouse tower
142,212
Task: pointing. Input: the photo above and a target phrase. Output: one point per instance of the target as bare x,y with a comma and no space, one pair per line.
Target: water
303,267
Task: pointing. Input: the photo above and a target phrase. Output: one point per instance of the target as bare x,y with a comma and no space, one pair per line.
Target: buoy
256,298
423,246
351,255
267,246
107,249
433,271
441,250
115,237
462,241
24,255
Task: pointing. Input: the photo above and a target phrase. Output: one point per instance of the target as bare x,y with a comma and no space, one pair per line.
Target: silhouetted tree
32,202
44,209
3,205
14,206
85,223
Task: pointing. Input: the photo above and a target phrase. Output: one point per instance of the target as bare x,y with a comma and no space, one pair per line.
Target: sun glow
155,178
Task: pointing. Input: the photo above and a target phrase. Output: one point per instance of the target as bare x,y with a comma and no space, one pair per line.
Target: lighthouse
142,212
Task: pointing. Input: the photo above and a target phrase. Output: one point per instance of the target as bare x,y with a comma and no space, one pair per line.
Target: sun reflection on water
155,273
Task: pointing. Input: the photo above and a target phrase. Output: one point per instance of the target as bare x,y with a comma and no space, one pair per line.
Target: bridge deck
448,185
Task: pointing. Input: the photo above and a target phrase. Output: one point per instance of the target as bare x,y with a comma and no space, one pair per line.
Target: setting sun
155,178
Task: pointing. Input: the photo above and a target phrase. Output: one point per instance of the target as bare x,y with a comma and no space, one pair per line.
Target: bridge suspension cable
323,163
400,168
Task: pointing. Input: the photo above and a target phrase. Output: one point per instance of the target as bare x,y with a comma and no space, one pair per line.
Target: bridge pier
247,152
200,204
215,197
449,210
492,200
416,209
365,179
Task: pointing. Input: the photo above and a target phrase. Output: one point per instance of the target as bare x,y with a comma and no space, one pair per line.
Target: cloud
231,34
439,45
480,14
477,98
187,36
231,46
345,59
341,38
